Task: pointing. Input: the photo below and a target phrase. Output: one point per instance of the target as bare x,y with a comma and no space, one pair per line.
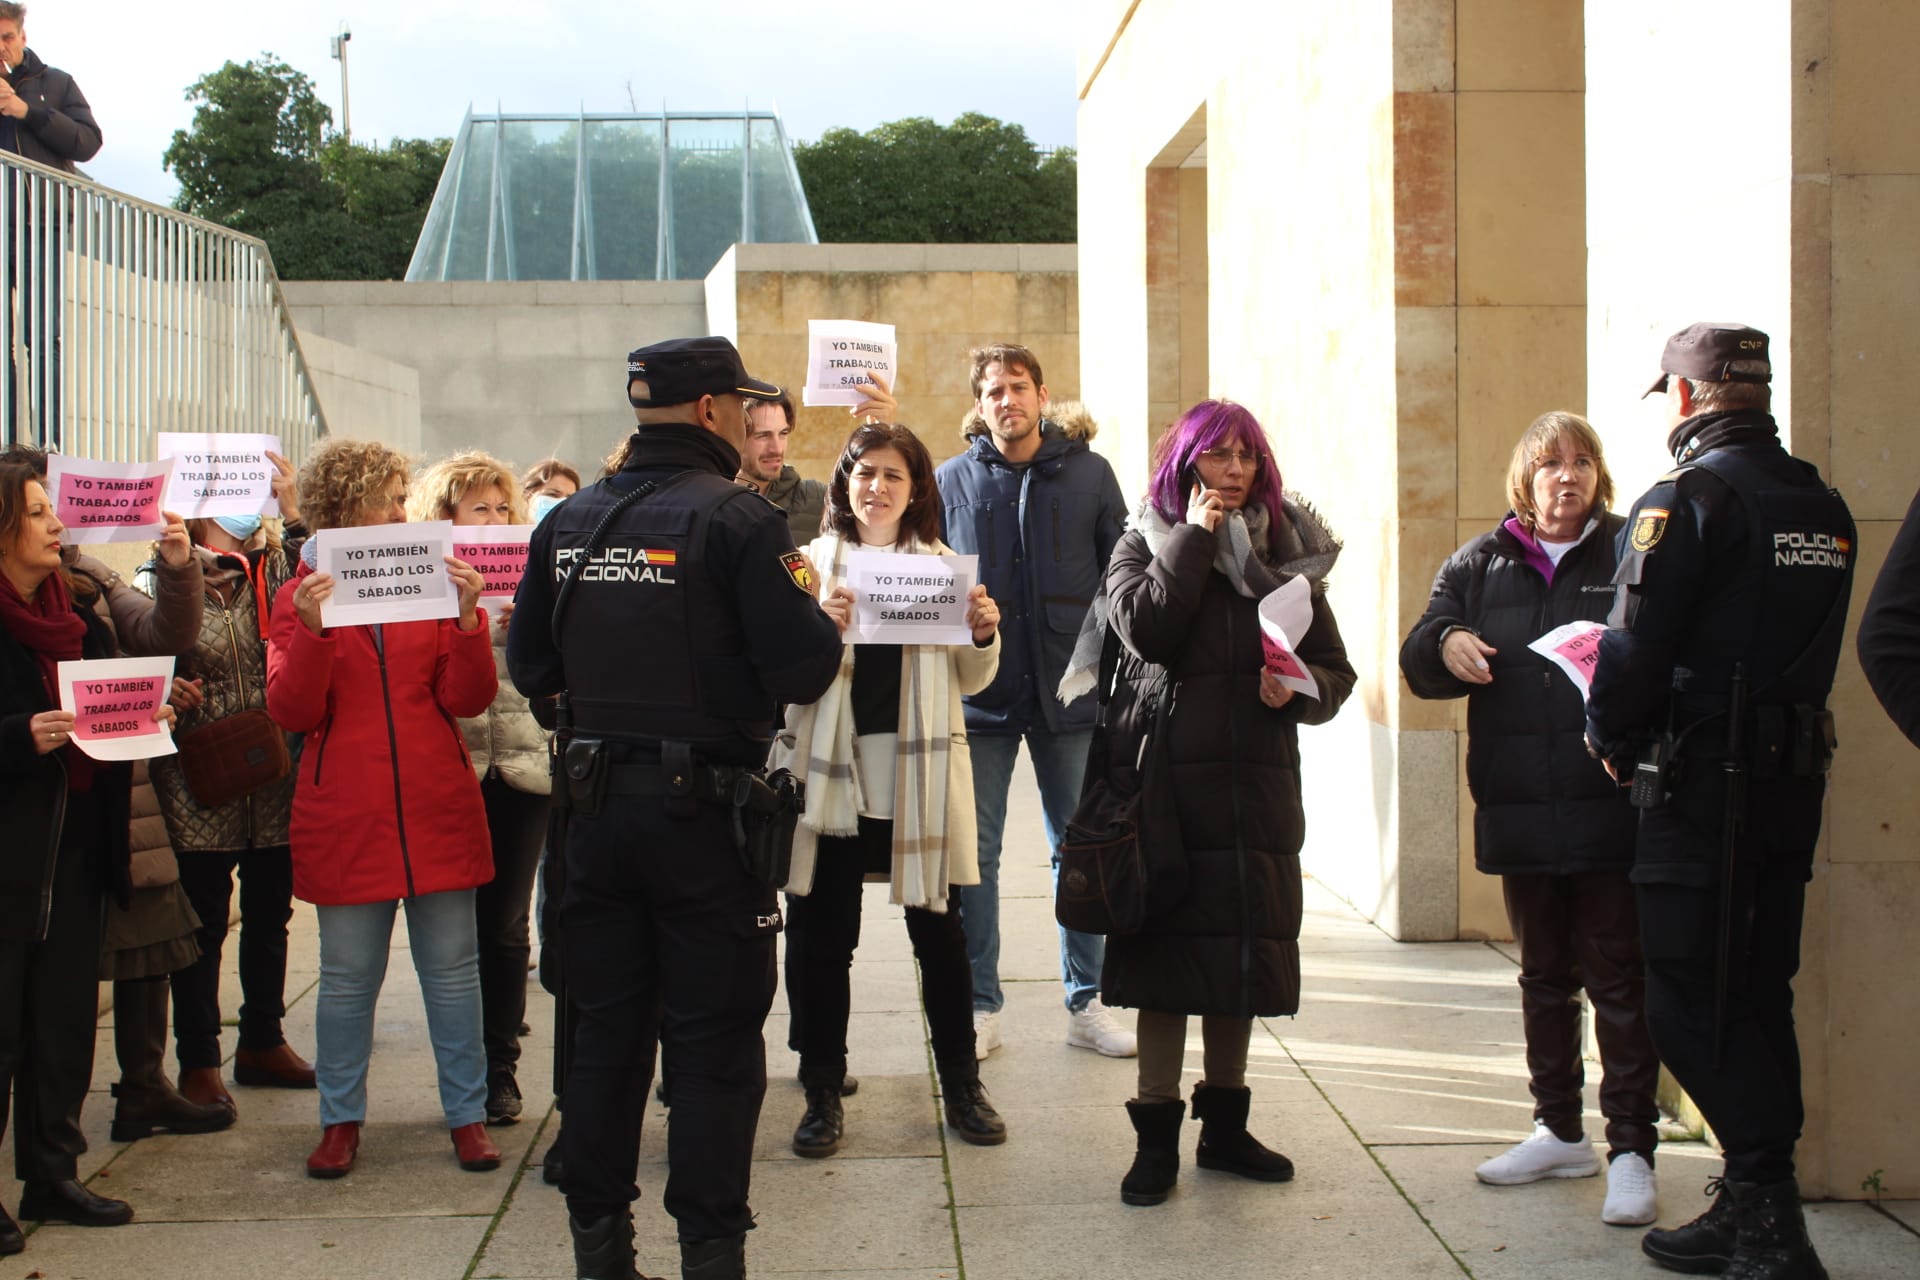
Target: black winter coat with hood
58,129
1230,773
1542,805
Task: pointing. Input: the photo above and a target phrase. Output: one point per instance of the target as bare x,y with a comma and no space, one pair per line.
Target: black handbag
1107,885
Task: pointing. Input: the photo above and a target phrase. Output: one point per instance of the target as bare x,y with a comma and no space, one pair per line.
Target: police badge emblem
1647,528
798,569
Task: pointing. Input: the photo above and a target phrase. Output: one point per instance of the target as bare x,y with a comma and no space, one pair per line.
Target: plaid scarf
820,737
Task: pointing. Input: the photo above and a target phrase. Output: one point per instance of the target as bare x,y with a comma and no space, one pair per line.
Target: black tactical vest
1782,610
651,642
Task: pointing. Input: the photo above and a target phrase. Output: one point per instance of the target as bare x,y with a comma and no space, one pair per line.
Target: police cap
1706,352
682,370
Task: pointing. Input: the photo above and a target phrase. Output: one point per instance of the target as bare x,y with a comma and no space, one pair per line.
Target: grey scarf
1243,552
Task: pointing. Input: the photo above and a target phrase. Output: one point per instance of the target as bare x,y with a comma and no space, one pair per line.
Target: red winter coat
386,805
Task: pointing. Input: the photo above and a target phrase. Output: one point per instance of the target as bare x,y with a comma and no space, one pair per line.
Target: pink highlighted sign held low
1574,647
114,701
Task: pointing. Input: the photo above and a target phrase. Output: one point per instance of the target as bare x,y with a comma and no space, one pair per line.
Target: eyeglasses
1221,457
1582,464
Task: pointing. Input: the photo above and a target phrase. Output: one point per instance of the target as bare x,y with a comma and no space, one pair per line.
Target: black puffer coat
1541,804
1232,766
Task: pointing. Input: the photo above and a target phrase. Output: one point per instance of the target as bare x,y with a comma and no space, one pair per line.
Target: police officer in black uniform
1710,700
685,617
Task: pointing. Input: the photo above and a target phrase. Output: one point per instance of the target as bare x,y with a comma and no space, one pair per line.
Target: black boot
1773,1242
724,1259
147,1100
65,1200
553,1167
1225,1144
503,1095
969,1111
11,1239
1704,1246
1156,1160
603,1248
825,1120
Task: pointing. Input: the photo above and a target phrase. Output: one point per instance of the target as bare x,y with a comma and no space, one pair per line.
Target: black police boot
603,1248
723,1259
969,1111
825,1120
11,1239
1156,1160
1225,1144
503,1095
553,1165
1702,1247
1773,1242
65,1200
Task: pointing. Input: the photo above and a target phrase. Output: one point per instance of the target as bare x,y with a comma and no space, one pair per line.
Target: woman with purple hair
1215,535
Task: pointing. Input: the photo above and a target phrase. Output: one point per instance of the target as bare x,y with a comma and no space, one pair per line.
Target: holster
1792,741
765,812
585,767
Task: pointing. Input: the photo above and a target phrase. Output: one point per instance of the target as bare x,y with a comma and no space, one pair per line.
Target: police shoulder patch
798,569
1648,526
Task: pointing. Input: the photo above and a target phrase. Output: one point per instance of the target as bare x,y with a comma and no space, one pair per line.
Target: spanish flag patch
798,569
662,557
1648,525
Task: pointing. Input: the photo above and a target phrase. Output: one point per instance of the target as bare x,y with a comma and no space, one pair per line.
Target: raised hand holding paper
219,473
1286,613
114,701
108,501
387,573
909,599
1574,647
499,552
839,355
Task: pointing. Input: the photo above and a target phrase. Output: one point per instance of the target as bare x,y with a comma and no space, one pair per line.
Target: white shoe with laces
1095,1027
1541,1156
986,1033
1631,1192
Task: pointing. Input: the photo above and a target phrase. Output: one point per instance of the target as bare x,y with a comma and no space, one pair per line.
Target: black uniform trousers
517,822
49,1007
1752,1099
823,928
266,906
665,934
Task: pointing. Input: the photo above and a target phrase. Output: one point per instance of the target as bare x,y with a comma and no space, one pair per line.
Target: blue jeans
354,944
1059,761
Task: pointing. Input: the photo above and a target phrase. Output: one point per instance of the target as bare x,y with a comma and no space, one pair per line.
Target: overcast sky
416,65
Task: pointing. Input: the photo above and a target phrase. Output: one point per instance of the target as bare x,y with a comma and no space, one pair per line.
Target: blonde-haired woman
386,811
509,753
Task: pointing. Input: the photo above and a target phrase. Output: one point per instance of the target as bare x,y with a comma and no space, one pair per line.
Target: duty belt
713,782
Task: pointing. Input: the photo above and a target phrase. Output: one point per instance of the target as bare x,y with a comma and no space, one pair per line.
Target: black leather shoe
67,1201
971,1115
503,1097
11,1239
1772,1239
1702,1247
551,1167
820,1128
603,1249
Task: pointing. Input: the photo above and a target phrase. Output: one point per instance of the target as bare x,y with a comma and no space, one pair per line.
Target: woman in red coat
386,810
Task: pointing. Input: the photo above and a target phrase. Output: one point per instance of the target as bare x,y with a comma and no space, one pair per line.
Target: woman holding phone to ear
1215,535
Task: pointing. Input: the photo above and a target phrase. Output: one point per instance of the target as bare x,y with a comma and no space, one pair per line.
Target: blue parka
1043,531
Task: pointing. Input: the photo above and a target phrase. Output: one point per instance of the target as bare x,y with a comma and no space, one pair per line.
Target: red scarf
52,632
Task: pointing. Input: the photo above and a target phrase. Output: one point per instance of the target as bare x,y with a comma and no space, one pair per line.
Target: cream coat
506,737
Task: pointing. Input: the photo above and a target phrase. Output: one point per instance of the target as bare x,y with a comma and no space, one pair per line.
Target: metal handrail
120,318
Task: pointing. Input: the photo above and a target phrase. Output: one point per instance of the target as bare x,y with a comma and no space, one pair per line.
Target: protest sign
387,573
107,501
839,355
910,599
219,473
113,701
1574,647
498,551
1285,614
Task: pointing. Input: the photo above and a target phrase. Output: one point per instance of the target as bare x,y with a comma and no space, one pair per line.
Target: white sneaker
1630,1192
1094,1027
986,1033
1540,1156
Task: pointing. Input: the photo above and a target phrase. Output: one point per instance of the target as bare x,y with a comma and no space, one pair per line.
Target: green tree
977,180
259,159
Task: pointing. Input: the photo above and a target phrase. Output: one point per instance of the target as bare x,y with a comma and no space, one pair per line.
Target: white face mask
542,504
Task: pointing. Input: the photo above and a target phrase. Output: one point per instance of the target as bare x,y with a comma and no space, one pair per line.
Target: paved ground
1403,1071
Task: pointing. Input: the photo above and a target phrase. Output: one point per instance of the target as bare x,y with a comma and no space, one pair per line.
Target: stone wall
363,394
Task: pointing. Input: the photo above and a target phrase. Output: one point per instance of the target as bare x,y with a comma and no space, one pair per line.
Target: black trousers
1752,1099
517,821
1574,932
49,1008
823,928
665,934
266,906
